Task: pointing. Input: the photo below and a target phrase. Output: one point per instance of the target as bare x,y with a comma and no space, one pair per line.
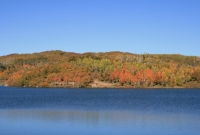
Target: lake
50,111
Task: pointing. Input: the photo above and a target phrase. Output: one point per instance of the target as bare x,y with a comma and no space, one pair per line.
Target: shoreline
121,87
96,84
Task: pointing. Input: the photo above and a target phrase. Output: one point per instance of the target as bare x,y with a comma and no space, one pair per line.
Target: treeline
58,68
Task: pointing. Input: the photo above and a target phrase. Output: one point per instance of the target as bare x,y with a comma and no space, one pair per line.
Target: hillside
114,69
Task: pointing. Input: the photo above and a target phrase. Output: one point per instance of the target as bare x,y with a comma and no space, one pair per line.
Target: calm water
36,111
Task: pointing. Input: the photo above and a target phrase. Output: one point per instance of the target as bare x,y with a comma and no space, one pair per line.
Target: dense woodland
67,69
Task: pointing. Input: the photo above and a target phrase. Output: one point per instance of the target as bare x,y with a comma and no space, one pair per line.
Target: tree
196,74
161,78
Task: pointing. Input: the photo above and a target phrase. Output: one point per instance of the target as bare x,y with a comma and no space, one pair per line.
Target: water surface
38,111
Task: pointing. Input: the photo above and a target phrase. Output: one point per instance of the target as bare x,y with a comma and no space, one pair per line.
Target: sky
135,26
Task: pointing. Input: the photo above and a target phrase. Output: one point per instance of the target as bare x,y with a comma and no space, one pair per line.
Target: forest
121,69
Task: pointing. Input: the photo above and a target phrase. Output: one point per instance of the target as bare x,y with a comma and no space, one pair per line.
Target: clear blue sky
136,26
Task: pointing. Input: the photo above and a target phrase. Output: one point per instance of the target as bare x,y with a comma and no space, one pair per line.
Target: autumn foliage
64,69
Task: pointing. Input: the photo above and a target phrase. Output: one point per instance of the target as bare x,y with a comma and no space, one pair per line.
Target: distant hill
119,69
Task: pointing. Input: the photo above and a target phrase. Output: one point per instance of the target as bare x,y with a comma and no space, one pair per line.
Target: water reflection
96,122
104,112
